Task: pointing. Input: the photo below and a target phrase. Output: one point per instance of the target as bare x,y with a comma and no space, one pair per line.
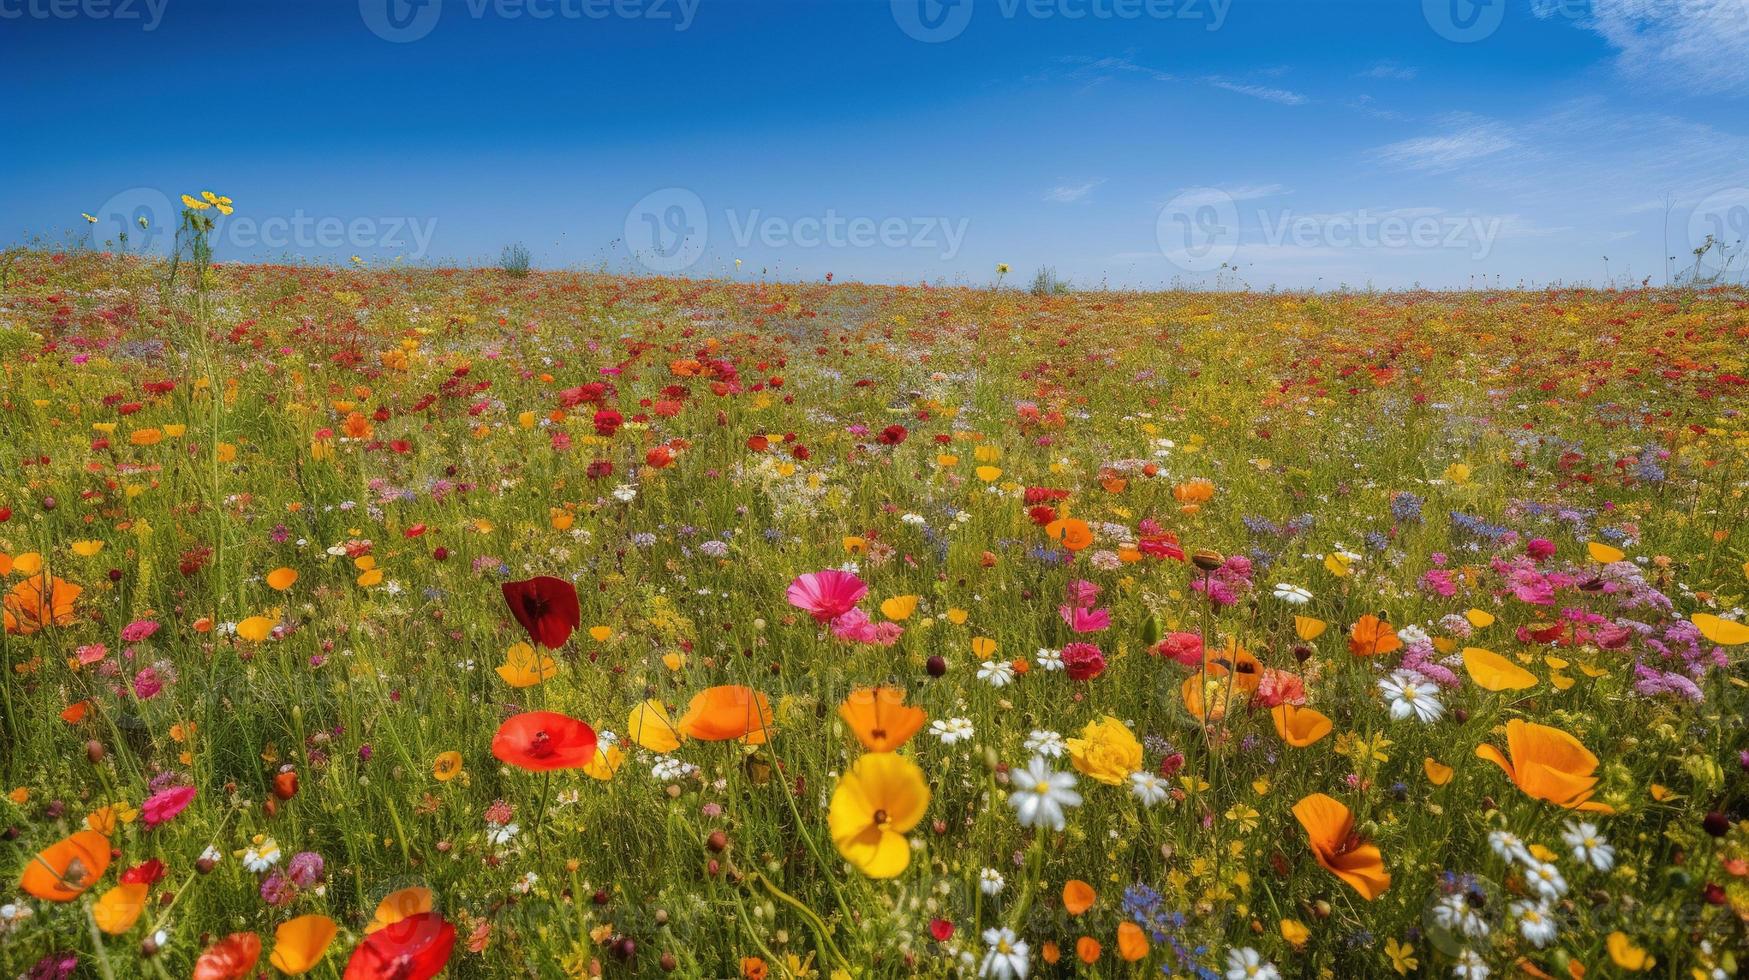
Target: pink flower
163,806
826,595
138,630
1082,593
1279,687
1083,661
1085,620
1539,548
91,653
855,627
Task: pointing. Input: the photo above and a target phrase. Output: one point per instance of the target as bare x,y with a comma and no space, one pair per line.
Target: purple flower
305,869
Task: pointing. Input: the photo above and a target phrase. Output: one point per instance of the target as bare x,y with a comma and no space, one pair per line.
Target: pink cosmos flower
1083,620
826,595
163,806
1082,593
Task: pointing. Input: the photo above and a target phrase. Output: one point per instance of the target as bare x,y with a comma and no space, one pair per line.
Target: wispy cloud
1699,46
1071,193
1264,92
1449,151
1389,71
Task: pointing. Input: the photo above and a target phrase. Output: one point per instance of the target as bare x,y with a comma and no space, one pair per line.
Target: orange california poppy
1300,727
880,718
1371,636
1071,531
119,908
1087,950
39,601
298,945
231,958
1247,670
1132,942
398,905
63,871
1330,830
1078,896
1548,764
1205,692
717,714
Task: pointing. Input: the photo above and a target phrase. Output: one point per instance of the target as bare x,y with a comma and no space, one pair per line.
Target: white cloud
1390,71
1264,92
1070,193
1700,46
1450,151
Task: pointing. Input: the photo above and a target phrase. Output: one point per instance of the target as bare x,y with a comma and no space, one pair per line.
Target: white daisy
1147,787
499,836
1293,595
1536,922
991,882
998,673
1412,694
1469,966
1508,846
1040,795
1545,879
951,730
1246,963
261,855
1046,743
1456,915
1006,955
1050,659
1588,846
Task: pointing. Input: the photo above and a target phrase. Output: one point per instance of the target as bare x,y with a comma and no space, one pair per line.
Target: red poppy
230,958
892,435
542,740
415,948
546,607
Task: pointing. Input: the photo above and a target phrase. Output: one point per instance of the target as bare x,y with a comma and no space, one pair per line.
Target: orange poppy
298,945
1330,830
1300,727
1205,692
231,958
1087,950
1548,764
1078,896
880,718
1072,532
39,601
1371,636
717,714
1247,670
119,908
398,905
63,871
1132,942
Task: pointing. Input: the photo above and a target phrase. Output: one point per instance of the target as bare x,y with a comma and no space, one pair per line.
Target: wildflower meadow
372,621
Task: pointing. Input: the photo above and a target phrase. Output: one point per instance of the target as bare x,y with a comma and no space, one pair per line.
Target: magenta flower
826,595
1083,620
163,806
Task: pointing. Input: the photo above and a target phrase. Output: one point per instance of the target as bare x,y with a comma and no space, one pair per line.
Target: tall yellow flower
1106,752
882,797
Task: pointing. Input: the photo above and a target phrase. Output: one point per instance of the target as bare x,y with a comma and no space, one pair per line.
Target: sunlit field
390,622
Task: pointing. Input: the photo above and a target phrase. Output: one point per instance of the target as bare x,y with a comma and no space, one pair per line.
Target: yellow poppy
875,804
1493,672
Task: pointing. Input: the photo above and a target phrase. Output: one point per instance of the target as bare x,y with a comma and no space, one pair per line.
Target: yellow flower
1106,752
447,766
882,797
1402,956
1295,932
1626,955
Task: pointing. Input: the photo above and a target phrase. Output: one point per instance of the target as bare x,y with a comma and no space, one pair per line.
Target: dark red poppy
546,607
892,435
542,740
415,948
147,873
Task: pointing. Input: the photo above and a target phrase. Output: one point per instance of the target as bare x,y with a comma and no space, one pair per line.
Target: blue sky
1128,142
